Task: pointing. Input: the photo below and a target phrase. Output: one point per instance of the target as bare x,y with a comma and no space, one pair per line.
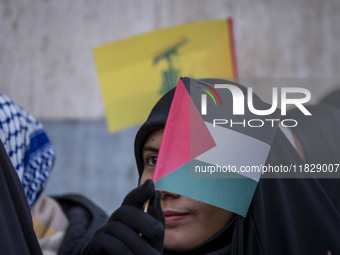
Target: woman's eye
151,160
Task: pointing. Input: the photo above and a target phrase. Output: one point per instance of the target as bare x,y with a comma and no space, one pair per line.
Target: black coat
16,227
84,217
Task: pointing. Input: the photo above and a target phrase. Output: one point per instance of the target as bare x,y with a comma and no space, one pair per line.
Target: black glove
130,230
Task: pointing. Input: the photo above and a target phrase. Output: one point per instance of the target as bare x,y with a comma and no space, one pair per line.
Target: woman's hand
130,230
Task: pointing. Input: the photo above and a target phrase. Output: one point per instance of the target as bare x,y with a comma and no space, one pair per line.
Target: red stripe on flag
185,134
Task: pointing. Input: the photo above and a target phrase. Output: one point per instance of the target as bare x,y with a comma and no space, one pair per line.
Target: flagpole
146,205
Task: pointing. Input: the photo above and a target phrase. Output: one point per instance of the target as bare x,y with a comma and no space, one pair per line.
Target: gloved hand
121,235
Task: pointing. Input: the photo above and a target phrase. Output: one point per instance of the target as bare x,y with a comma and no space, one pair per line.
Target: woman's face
187,222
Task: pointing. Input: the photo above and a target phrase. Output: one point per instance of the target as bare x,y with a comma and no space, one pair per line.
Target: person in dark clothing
16,227
84,218
286,216
63,224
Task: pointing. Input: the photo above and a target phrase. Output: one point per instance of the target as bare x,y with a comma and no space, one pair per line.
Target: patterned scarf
27,146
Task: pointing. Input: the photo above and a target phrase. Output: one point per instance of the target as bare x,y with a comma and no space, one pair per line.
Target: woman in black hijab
286,216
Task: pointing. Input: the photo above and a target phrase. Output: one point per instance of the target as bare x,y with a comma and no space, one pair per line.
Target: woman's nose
166,194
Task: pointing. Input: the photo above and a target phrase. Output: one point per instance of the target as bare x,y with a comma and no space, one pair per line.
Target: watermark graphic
244,128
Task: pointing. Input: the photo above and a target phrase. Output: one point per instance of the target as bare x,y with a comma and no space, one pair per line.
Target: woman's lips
172,216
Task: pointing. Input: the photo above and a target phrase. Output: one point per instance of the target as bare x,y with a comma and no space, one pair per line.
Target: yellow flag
135,72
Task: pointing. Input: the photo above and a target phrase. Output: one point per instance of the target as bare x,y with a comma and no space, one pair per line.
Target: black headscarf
156,120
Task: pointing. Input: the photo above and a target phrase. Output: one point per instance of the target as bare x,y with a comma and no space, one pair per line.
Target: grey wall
92,162
46,65
46,45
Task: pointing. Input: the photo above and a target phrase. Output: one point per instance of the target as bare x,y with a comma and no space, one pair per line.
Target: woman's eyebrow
149,148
